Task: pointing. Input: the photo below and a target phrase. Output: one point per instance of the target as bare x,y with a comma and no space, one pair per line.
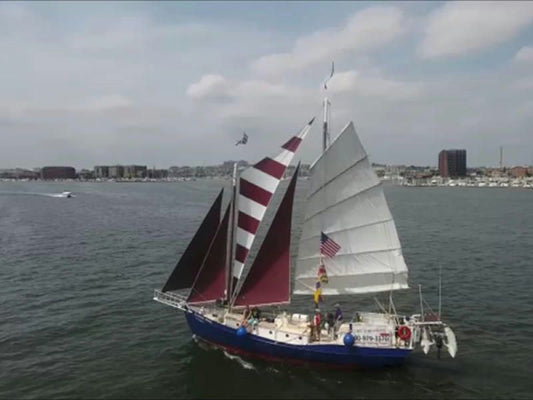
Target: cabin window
270,332
286,335
299,338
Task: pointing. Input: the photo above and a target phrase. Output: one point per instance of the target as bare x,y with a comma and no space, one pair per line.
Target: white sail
347,203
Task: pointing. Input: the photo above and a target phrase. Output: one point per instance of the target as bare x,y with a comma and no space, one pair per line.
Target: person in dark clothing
338,317
330,319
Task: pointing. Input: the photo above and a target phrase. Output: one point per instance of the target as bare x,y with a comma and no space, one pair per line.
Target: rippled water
78,319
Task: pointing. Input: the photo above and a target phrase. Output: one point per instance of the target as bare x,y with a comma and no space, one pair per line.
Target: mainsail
210,282
183,275
347,203
256,187
267,281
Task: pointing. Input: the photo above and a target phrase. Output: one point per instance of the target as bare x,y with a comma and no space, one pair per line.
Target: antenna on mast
325,133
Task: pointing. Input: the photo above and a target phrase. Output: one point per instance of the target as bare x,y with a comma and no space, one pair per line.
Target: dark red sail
267,281
190,262
210,283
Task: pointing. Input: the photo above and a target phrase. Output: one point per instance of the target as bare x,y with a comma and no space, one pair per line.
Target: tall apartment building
452,163
116,171
101,171
135,171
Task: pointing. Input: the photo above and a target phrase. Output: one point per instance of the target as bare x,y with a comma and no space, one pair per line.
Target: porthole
270,332
286,335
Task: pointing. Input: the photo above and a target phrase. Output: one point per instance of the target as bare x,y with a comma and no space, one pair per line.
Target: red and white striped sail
257,184
268,280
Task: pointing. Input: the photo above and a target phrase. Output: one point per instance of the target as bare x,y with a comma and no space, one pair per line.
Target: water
78,319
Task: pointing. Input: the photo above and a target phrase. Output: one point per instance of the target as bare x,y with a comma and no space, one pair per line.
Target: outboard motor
438,342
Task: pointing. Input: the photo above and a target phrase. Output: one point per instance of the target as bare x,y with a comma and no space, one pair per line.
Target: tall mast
325,134
231,241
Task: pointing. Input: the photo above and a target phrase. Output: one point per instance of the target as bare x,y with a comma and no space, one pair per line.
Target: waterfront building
519,172
452,163
101,171
58,173
116,171
134,171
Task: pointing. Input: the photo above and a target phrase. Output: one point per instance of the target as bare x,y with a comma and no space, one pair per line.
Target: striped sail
347,203
268,280
257,184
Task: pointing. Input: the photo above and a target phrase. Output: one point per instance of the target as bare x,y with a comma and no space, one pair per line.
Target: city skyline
151,83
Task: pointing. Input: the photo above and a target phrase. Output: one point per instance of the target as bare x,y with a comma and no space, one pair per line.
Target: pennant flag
328,247
322,274
330,76
317,295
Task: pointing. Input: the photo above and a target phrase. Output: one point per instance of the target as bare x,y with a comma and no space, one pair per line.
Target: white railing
170,299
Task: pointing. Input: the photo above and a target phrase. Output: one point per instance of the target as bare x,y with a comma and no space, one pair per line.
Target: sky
176,83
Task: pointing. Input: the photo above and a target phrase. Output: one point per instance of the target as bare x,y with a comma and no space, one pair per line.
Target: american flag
328,246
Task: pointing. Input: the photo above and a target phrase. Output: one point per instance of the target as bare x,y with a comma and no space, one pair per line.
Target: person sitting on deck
255,314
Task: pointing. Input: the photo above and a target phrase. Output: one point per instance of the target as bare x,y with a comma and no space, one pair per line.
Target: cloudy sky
175,83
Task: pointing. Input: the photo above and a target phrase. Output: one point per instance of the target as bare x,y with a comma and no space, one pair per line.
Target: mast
231,241
325,134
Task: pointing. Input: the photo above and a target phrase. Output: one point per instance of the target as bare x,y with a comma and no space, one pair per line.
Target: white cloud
524,55
374,86
209,86
365,30
104,103
462,27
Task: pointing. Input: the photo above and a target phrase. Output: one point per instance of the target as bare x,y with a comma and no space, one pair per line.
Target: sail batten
343,200
311,194
317,236
340,254
346,202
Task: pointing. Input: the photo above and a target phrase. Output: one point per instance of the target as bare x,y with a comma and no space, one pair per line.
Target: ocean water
77,319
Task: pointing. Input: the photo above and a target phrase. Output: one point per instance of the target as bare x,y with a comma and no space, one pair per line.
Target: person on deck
338,317
246,316
254,317
330,319
317,324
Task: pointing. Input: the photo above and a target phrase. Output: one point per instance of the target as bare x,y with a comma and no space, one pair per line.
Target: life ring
404,333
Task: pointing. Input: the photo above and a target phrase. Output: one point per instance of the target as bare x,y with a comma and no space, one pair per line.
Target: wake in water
207,346
239,360
58,195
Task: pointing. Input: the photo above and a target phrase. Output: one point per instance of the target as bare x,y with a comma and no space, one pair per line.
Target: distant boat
349,246
63,194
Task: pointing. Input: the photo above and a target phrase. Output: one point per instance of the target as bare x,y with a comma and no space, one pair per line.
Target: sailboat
348,246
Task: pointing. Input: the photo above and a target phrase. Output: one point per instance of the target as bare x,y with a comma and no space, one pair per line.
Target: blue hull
327,354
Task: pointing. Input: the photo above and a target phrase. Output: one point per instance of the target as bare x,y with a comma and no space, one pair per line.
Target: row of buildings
451,165
133,172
